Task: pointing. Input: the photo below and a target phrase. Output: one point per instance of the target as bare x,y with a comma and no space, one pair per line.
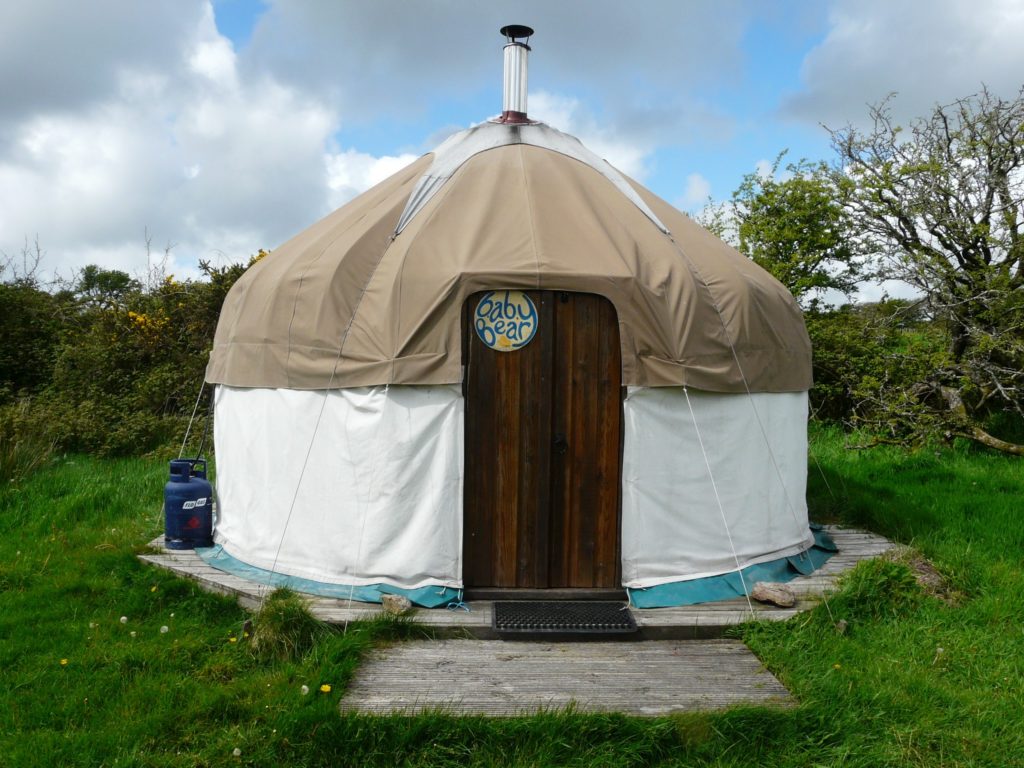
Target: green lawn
914,680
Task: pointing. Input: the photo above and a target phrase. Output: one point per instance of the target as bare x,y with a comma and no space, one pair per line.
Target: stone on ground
772,592
396,605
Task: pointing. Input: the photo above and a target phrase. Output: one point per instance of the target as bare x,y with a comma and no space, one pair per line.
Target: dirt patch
928,577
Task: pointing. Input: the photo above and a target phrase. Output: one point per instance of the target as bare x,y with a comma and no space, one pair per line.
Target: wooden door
543,448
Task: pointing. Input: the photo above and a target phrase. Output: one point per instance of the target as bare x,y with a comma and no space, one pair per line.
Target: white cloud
120,119
382,56
214,59
893,289
571,116
927,53
696,193
186,146
58,55
349,173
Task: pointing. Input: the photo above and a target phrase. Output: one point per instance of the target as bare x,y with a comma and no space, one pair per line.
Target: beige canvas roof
352,301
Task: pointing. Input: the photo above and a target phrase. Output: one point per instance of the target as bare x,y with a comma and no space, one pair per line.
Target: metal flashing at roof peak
461,147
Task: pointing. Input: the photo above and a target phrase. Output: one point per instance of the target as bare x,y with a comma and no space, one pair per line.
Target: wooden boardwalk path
678,668
496,678
709,620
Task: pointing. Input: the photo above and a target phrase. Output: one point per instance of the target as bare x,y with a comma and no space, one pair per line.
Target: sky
175,131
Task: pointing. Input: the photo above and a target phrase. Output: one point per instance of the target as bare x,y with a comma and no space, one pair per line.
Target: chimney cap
514,31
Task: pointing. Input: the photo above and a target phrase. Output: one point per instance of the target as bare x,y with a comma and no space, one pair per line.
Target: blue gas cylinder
188,506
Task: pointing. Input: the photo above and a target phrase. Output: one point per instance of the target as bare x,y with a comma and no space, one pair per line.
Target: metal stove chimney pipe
513,108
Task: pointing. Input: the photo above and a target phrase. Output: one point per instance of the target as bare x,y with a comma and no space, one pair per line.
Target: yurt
511,370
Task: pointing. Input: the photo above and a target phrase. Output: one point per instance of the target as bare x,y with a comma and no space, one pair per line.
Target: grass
914,680
21,452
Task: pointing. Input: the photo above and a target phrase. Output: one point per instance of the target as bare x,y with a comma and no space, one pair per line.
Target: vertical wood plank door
543,450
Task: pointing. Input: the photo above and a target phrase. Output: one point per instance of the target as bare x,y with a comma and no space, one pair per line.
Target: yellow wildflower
325,688
63,662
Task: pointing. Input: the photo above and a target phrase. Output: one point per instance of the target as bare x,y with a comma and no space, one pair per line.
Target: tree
796,229
29,325
941,204
105,287
29,335
863,349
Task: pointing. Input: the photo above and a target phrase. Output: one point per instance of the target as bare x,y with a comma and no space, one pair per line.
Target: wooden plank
561,554
477,488
587,411
548,593
581,512
506,398
503,679
534,468
610,427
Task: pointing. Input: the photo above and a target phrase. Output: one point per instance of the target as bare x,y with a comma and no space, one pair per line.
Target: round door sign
505,320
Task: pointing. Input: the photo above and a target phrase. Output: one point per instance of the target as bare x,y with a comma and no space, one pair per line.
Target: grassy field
914,679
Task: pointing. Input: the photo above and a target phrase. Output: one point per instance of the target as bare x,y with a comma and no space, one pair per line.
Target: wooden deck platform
495,678
687,622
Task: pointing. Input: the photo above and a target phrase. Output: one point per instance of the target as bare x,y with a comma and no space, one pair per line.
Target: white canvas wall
380,498
672,525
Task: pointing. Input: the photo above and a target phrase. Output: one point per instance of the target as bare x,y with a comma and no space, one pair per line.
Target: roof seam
441,194
302,279
529,207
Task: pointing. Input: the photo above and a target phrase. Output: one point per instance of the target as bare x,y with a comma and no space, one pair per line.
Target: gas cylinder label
194,504
505,320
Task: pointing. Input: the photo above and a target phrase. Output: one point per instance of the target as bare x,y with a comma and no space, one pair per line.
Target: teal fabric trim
728,586
822,540
724,587
428,597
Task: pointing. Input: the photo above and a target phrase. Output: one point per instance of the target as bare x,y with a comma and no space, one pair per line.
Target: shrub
29,335
876,589
867,358
284,628
113,366
22,449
